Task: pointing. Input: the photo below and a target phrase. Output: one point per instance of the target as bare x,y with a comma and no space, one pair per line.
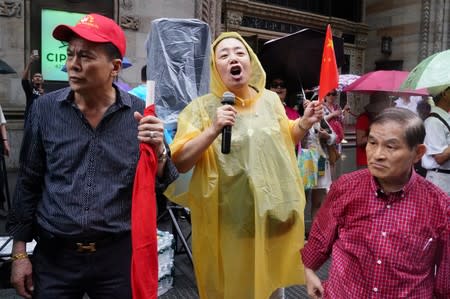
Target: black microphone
228,98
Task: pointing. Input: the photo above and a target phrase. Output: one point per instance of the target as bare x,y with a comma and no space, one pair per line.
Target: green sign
54,52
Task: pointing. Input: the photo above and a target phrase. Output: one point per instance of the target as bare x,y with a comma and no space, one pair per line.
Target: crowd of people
385,228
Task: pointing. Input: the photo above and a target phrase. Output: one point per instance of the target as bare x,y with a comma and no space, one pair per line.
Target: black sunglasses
332,94
278,85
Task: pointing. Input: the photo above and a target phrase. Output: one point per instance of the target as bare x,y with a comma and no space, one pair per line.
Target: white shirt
437,139
2,117
411,104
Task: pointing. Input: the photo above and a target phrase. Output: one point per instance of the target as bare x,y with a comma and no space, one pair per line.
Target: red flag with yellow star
329,75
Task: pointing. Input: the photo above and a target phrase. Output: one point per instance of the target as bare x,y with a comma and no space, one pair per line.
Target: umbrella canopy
432,73
386,81
5,68
345,80
297,58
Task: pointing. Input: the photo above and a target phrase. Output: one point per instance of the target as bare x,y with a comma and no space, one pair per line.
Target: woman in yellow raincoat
246,206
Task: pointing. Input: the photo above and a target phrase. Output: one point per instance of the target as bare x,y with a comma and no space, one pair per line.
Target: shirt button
86,208
379,262
375,290
384,234
388,206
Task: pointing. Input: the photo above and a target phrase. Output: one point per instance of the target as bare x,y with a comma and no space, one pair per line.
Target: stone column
210,12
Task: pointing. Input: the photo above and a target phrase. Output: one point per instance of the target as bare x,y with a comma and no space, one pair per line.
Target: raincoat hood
258,77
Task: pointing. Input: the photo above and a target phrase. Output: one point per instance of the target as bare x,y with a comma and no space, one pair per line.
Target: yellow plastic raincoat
246,206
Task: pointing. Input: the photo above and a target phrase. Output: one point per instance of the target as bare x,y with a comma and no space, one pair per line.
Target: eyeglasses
277,85
332,94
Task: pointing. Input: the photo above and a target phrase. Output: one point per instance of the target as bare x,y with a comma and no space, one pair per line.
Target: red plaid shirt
382,246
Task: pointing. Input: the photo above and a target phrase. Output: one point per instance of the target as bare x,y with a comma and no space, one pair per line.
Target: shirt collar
379,192
122,98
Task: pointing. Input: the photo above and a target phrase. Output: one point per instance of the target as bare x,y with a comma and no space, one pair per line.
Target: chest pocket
413,253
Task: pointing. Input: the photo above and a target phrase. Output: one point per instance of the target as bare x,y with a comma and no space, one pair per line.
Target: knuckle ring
152,134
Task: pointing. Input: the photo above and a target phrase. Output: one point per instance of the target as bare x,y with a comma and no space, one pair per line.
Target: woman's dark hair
414,128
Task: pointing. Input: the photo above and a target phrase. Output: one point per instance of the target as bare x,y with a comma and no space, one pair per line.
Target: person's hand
313,113
21,277
313,284
347,108
225,116
323,134
306,103
6,148
34,57
336,113
151,131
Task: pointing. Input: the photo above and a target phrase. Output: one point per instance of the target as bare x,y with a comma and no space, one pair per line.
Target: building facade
409,31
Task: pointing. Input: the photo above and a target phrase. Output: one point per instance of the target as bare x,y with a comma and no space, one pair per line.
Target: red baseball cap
95,28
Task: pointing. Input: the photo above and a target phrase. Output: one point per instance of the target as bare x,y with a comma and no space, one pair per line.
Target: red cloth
335,122
362,124
329,75
144,262
382,246
291,113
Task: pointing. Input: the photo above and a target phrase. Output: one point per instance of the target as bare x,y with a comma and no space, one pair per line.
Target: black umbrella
297,58
5,68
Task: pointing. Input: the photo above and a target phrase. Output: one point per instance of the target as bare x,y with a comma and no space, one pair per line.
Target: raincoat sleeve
191,122
189,127
281,114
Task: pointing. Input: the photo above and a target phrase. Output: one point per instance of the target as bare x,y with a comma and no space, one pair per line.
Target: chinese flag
144,261
329,76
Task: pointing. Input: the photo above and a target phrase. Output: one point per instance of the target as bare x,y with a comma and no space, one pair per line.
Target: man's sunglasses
332,94
278,85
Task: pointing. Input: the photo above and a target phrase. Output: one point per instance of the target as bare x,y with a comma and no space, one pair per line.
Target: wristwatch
163,155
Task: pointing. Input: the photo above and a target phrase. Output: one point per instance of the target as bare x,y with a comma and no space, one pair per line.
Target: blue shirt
75,180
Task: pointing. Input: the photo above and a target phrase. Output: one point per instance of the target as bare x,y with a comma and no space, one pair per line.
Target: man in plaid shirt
385,227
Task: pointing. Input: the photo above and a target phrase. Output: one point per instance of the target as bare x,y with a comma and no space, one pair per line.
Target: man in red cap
73,193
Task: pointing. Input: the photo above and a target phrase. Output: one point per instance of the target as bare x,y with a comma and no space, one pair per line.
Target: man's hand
151,131
21,277
34,57
313,284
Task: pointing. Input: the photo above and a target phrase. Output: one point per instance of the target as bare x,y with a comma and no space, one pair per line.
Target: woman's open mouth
236,71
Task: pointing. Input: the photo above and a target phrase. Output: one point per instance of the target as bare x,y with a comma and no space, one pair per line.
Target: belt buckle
89,247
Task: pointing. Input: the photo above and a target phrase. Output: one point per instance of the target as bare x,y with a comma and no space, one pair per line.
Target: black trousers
61,272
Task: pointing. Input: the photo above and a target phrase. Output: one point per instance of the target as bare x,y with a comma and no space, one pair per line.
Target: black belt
447,171
87,245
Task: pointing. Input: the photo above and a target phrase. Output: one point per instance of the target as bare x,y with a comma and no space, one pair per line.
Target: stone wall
136,17
400,20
